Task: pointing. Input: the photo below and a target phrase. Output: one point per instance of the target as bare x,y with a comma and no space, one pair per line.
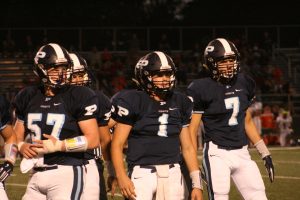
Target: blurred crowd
112,69
274,123
112,72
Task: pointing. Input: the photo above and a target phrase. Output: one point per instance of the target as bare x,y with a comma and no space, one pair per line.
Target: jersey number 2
234,104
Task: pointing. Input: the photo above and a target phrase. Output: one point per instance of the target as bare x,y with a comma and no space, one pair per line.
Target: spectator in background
268,125
267,119
277,78
275,109
284,123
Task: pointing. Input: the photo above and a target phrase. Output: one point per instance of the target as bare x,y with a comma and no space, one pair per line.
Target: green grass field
285,187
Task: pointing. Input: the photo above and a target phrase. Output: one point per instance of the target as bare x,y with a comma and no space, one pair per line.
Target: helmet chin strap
160,93
57,83
226,81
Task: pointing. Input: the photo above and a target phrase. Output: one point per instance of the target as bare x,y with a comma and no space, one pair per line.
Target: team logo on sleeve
122,111
90,109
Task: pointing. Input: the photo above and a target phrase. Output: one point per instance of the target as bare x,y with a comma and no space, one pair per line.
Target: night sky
67,13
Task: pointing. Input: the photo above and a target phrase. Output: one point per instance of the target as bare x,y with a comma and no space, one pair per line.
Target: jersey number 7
234,104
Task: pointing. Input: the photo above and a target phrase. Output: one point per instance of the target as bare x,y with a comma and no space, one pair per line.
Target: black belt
153,169
41,169
229,147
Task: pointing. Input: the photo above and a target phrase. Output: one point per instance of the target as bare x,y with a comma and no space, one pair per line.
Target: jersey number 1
163,120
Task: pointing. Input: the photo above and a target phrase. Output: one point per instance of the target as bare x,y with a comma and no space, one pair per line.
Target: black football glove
5,170
270,167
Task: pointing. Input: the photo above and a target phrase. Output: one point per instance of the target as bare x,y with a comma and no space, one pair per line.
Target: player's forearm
105,150
194,128
11,151
19,131
90,131
117,159
250,129
105,142
9,135
10,146
252,132
52,144
193,132
191,161
80,144
190,158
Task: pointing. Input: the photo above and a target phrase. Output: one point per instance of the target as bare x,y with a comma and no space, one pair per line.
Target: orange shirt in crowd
267,120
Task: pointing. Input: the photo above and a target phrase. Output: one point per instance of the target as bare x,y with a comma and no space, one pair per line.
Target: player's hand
269,166
50,145
112,184
126,187
48,137
196,194
5,170
29,150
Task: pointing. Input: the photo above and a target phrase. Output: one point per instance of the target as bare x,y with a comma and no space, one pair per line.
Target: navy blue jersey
58,115
103,116
5,116
104,108
154,138
223,108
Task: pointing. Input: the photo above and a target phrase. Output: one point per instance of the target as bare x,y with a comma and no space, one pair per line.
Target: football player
61,119
221,101
80,75
10,147
155,121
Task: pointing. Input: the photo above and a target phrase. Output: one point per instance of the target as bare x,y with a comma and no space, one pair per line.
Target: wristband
196,179
11,151
76,144
50,147
262,148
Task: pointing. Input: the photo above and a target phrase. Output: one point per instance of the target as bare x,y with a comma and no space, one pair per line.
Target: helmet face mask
51,64
155,73
80,78
57,75
227,68
222,59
